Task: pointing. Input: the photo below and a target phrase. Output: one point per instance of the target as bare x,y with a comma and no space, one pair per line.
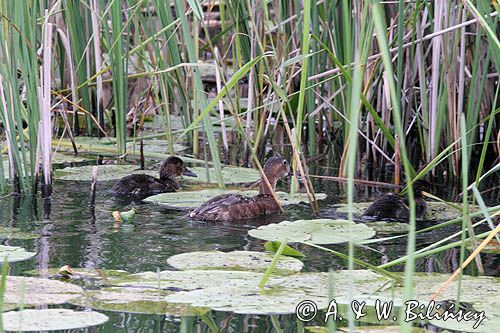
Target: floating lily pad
192,199
136,300
387,227
80,273
319,231
15,233
247,300
32,291
230,174
189,279
14,253
235,261
435,210
104,172
51,320
281,294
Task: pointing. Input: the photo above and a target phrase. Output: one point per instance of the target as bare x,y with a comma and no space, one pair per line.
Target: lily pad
230,174
435,210
368,329
15,233
319,231
14,253
104,172
388,227
235,261
136,300
281,294
192,199
188,279
51,319
80,274
247,300
31,291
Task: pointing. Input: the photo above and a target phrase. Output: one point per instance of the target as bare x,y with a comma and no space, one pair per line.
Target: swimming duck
234,207
140,185
394,206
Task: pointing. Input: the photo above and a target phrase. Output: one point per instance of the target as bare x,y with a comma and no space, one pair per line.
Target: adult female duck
394,206
234,207
140,185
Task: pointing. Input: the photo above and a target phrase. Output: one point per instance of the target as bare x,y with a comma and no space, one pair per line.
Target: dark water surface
72,234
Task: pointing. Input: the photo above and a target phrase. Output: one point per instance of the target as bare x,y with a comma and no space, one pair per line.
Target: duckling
234,207
393,206
140,185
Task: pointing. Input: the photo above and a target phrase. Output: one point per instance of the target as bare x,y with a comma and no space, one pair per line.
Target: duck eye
285,162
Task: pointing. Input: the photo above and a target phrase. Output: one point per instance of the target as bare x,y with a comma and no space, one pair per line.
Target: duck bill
189,173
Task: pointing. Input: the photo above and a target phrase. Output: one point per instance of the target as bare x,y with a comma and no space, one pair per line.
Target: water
71,233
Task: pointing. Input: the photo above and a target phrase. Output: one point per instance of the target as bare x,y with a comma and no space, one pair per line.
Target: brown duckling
140,185
234,207
394,206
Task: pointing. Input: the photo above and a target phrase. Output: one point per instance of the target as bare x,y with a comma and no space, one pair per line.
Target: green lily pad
80,273
230,174
50,320
192,199
14,253
234,261
435,210
387,227
16,233
188,279
281,295
136,300
32,291
319,231
104,172
247,300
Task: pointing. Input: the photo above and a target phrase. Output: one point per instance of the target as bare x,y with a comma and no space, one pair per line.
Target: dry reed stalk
44,92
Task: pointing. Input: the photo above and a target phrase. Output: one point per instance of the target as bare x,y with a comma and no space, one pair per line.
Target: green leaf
14,253
234,261
128,216
273,246
192,199
51,319
31,291
319,231
104,172
135,300
230,175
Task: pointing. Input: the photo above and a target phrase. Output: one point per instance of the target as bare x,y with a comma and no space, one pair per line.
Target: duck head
275,168
174,167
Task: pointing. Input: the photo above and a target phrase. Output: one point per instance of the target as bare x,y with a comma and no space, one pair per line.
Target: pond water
71,233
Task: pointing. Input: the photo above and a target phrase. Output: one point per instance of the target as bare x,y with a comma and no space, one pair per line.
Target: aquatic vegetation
234,261
14,253
318,231
192,199
33,291
51,319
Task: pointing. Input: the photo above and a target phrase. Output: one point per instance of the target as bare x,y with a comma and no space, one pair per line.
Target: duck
140,185
394,206
236,207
